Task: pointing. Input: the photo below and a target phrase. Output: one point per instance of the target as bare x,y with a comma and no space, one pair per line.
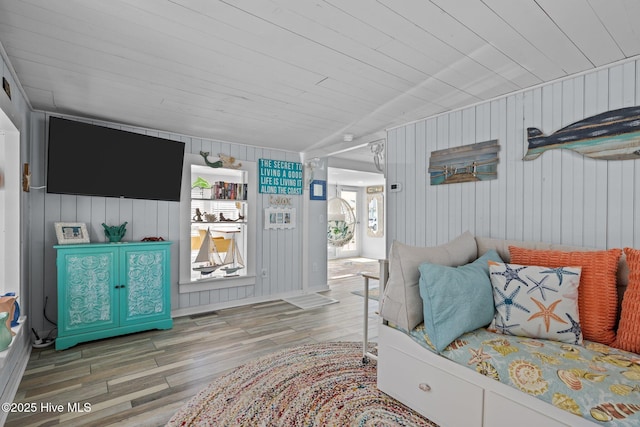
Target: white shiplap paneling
561,197
278,251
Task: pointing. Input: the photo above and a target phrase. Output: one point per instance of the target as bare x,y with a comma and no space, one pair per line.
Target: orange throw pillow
597,293
629,328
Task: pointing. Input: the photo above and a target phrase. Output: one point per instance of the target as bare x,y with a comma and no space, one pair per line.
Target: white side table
366,355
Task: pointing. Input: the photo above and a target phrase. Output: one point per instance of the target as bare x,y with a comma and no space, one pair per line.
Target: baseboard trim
190,311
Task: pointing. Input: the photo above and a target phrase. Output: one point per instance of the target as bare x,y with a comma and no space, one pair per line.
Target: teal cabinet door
86,299
144,283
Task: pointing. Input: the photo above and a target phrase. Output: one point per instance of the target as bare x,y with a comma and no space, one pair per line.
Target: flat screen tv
90,160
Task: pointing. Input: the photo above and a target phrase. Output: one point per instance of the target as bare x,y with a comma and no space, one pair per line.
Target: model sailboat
208,254
233,258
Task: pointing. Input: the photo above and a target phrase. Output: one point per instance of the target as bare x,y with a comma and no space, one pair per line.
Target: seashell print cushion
536,302
593,381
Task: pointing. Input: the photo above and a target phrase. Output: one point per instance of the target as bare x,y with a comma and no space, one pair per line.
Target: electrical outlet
264,273
395,187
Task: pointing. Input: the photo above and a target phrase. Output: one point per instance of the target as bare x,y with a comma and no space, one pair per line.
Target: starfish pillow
536,302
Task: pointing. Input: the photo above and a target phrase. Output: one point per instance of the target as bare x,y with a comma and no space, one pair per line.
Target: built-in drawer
440,396
501,411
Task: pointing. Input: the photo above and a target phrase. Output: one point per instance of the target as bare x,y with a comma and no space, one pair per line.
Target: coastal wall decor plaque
613,135
473,162
279,177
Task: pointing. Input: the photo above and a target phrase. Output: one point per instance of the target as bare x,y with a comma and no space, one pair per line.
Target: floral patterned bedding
593,381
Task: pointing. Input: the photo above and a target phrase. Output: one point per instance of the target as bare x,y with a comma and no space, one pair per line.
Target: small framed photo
71,232
279,218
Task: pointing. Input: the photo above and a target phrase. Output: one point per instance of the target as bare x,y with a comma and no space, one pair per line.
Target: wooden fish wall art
473,162
614,135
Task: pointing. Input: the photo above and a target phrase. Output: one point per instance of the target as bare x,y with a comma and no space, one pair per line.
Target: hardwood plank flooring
142,379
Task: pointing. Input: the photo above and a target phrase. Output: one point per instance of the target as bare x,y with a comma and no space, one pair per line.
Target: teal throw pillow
456,299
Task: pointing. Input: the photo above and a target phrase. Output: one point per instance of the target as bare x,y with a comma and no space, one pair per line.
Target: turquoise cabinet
109,289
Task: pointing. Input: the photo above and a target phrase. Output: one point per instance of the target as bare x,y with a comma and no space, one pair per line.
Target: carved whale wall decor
614,135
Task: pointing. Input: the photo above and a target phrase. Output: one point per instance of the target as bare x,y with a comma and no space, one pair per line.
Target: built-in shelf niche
228,210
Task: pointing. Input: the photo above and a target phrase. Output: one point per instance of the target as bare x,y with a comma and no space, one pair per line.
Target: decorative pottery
8,304
5,332
115,233
16,308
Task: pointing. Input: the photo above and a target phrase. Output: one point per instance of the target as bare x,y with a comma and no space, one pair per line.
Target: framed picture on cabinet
71,232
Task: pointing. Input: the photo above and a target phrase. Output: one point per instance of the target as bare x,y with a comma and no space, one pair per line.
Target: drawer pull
424,387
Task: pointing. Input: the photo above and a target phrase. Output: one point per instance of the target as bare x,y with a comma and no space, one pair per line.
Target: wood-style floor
142,379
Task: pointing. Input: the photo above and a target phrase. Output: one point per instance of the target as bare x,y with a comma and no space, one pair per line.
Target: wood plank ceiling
298,74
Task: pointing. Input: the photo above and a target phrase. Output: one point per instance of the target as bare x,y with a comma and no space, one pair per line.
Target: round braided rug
312,385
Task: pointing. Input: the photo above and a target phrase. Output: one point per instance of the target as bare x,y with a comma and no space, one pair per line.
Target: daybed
481,377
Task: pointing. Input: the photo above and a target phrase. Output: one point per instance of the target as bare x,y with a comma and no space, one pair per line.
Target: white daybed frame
452,395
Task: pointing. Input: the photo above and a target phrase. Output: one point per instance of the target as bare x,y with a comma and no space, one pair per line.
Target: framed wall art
279,218
318,190
468,163
71,232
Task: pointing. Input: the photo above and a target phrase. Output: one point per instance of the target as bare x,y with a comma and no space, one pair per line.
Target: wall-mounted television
91,160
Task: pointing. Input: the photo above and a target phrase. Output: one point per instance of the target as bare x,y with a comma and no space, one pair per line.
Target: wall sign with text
279,177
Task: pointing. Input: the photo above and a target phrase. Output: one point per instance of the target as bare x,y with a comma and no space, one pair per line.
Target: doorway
362,252
10,224
354,187
353,177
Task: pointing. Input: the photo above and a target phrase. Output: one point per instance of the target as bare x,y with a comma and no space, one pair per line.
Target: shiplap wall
278,251
561,197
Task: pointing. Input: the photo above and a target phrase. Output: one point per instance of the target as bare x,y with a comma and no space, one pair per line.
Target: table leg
366,320
366,355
